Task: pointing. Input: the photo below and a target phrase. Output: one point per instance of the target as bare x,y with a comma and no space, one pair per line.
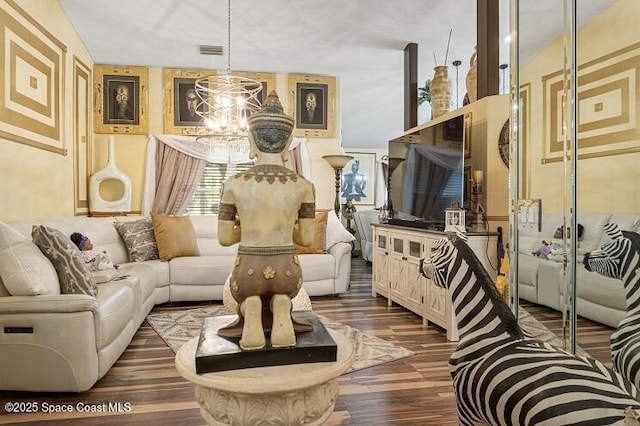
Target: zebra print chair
620,259
500,377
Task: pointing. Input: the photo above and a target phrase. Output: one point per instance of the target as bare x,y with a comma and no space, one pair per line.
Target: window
206,198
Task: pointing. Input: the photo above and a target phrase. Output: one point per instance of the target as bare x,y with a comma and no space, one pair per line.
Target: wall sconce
338,162
476,200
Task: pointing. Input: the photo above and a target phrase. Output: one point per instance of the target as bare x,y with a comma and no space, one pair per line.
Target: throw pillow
320,236
175,236
336,232
139,239
25,271
72,272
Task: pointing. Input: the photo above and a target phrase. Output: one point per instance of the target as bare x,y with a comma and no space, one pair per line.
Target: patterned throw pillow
72,272
139,239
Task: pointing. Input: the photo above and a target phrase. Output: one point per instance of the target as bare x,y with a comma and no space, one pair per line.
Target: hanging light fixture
227,102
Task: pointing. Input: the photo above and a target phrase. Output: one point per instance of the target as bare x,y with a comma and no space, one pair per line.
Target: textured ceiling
359,41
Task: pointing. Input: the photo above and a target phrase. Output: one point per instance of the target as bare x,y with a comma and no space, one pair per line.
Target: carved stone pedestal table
294,394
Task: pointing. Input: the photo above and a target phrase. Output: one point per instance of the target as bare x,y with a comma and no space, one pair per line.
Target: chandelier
227,102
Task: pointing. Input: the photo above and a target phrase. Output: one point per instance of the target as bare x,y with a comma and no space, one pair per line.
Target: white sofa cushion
73,274
25,271
201,270
316,267
336,233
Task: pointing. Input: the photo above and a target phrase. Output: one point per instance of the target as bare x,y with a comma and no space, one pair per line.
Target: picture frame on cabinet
121,99
530,214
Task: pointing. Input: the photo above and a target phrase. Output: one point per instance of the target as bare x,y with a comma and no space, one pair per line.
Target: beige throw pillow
175,236
320,236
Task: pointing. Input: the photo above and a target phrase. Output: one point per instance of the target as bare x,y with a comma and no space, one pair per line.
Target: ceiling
361,42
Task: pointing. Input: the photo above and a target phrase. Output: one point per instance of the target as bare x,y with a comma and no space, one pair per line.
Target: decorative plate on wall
503,143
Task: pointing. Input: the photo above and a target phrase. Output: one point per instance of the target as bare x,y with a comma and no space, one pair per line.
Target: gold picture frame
82,152
179,85
121,99
312,103
607,90
32,88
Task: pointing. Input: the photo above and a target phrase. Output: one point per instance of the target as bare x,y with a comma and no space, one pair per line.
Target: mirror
607,135
540,191
595,178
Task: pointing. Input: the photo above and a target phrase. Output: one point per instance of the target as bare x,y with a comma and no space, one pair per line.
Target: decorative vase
472,77
441,91
110,172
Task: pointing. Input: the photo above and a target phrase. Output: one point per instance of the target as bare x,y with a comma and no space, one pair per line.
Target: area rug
177,327
536,330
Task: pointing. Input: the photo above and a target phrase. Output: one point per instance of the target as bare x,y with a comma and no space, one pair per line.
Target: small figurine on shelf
95,260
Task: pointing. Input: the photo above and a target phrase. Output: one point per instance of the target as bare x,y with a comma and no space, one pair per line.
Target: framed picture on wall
358,179
182,104
121,99
313,105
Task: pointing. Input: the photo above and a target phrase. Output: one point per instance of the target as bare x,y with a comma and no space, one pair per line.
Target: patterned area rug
177,327
535,330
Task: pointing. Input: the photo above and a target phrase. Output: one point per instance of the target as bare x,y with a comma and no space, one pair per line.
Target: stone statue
348,209
267,209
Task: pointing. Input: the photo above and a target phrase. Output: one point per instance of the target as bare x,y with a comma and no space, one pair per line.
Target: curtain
177,176
188,146
299,159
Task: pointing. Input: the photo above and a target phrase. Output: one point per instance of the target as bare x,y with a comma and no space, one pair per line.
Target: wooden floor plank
412,391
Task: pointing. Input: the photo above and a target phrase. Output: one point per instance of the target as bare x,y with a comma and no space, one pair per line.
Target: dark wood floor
411,391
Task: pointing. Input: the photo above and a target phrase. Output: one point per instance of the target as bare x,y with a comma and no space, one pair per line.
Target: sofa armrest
59,303
340,249
342,253
49,343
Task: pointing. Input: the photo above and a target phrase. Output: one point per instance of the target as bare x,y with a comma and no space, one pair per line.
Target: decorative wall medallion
503,143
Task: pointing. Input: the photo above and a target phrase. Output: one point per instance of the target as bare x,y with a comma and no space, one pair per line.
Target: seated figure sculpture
267,209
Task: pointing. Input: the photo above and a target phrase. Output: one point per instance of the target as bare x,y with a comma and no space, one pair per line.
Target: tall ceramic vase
97,204
441,91
472,78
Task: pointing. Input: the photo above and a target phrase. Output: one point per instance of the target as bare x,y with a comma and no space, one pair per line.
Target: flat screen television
426,174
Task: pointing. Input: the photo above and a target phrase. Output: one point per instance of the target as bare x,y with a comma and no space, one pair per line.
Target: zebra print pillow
73,273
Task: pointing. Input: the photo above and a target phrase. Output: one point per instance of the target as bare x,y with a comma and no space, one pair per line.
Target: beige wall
607,183
38,183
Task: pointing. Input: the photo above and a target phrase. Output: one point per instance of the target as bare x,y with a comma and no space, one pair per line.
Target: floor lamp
338,162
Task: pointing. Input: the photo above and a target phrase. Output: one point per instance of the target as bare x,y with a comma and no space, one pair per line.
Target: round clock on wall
503,143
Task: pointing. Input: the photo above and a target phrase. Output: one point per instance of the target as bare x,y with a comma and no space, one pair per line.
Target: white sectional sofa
541,280
65,342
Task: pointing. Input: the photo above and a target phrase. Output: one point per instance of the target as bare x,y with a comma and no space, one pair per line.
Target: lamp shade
338,161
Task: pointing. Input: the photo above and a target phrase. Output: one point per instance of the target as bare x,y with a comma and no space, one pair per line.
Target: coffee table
280,395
